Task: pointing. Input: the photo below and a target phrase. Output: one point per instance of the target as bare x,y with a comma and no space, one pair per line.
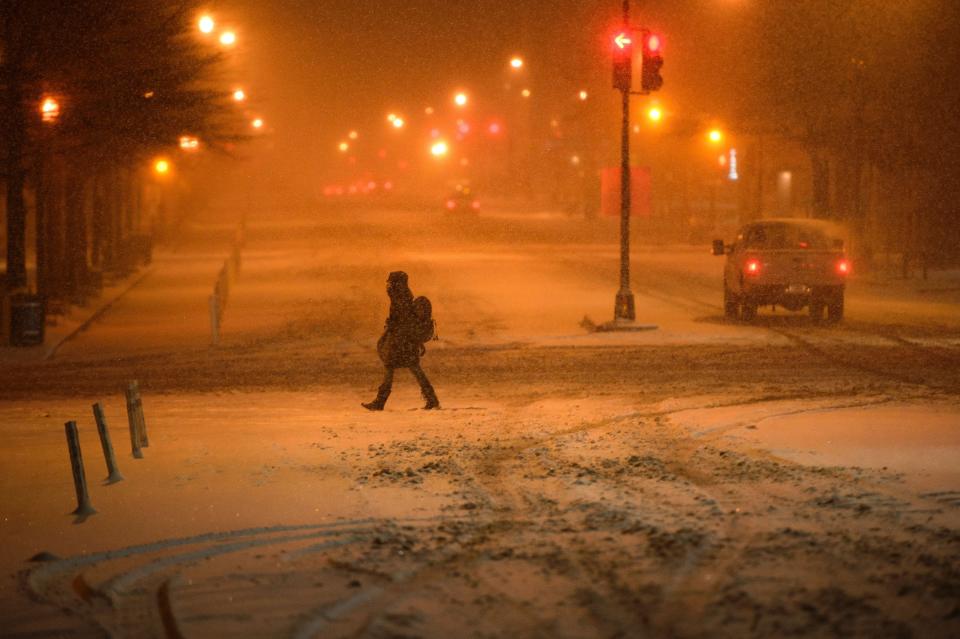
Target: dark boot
382,393
431,397
426,388
376,404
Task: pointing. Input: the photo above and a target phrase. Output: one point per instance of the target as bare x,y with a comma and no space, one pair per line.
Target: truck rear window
786,236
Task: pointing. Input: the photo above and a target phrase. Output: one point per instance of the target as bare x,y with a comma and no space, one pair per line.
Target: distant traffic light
650,79
622,60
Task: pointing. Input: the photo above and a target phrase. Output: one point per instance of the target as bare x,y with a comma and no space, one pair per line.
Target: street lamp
583,95
189,143
525,93
49,110
654,114
398,123
161,166
516,62
257,123
439,149
228,38
205,24
460,99
353,135
715,136
343,147
239,95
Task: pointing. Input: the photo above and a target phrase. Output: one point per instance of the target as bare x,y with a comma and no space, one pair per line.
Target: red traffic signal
650,79
652,43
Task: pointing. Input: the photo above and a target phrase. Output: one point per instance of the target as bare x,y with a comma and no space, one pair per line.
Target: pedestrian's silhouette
400,345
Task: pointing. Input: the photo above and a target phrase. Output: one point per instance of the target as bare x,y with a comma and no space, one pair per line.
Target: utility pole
624,305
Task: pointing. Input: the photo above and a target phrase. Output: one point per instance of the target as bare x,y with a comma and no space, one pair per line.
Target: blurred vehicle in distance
793,263
462,200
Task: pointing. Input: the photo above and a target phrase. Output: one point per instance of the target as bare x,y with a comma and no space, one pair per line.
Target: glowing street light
161,166
343,147
715,136
49,110
353,135
239,95
460,99
439,149
654,114
205,24
525,93
257,123
516,62
228,38
189,143
583,95
398,123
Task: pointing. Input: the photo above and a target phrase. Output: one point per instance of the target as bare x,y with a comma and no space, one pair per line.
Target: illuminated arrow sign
623,40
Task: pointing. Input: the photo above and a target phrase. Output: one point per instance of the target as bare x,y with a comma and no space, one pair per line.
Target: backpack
425,328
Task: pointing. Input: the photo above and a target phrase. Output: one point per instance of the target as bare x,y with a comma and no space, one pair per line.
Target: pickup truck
793,263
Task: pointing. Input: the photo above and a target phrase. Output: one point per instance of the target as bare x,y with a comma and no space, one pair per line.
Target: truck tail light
843,267
752,267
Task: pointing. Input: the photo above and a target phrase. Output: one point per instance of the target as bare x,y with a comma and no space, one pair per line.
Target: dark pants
425,388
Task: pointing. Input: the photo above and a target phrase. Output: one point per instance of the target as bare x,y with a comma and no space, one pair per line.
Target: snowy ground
704,479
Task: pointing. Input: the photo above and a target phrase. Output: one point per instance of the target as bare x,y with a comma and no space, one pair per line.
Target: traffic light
650,79
622,59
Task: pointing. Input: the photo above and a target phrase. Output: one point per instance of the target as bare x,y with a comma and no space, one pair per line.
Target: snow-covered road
702,479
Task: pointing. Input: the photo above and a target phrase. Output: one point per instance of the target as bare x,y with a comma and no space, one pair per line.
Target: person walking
401,344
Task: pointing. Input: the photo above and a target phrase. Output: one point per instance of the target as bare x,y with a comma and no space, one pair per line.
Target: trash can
27,319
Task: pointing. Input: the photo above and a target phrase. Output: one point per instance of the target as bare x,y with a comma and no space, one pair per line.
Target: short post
141,422
224,284
84,509
134,425
214,320
113,473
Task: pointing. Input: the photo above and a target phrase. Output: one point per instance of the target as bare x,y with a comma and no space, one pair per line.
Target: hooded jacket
399,347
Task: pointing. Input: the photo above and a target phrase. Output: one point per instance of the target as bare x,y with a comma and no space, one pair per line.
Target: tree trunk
54,231
43,257
15,178
820,169
97,222
75,245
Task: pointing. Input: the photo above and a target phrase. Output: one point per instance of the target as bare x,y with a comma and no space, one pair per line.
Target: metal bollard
84,509
113,475
141,421
214,320
134,426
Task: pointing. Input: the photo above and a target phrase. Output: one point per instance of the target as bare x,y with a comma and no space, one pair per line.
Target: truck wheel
835,307
816,309
748,310
731,307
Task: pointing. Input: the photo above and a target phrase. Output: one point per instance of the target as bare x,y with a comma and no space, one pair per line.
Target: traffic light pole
623,308
624,304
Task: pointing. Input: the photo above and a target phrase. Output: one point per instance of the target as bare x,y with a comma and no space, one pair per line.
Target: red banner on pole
639,191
